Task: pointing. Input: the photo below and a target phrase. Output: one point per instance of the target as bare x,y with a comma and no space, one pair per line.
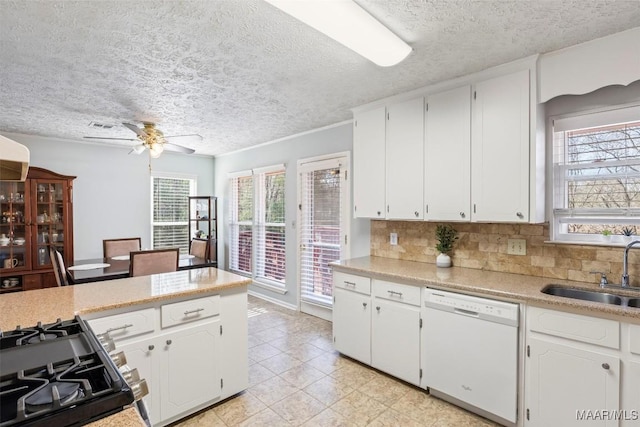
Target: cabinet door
563,380
395,340
369,164
447,183
190,369
352,324
631,393
500,149
405,160
143,355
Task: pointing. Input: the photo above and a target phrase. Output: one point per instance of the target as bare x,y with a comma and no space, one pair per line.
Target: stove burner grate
53,394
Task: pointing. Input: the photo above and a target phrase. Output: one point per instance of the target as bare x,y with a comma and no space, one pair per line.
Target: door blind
320,230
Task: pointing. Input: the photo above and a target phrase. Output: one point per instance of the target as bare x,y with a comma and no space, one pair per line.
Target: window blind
319,230
170,212
241,223
270,227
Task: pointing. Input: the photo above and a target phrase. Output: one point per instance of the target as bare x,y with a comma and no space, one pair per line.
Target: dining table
99,269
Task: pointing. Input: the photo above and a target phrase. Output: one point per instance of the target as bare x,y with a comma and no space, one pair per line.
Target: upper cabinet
472,150
500,149
404,159
447,151
369,128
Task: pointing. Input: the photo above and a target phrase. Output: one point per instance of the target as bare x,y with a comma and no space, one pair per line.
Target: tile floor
297,379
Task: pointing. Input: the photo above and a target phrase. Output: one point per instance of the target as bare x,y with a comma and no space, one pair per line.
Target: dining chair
59,269
144,263
199,248
116,247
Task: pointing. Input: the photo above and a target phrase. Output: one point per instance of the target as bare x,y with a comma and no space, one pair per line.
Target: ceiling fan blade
141,133
183,139
118,139
178,148
137,149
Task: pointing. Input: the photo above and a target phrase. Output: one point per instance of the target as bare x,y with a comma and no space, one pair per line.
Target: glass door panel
13,229
49,217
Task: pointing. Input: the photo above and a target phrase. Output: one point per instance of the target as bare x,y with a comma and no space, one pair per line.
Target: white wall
325,141
111,194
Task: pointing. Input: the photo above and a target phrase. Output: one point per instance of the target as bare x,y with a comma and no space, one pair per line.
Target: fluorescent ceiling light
349,24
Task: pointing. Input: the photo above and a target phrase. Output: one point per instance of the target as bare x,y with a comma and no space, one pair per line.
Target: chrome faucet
625,264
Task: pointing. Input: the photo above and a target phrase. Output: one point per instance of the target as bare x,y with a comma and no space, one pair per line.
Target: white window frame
561,215
193,188
258,227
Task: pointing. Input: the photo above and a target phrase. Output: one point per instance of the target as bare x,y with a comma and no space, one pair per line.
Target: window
257,225
596,175
170,212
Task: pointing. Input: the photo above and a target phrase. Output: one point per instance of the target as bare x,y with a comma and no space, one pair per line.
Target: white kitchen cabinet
369,164
405,159
573,364
500,155
189,369
447,164
566,378
352,316
142,356
395,330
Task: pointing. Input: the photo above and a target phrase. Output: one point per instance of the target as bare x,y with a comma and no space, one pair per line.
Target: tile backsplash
484,247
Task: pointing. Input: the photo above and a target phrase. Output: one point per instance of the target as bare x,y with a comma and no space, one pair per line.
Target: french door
323,209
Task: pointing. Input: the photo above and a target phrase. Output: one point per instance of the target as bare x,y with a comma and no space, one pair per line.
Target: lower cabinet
580,371
192,353
395,340
378,323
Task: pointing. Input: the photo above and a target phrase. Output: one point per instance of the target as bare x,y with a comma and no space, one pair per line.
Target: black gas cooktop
57,375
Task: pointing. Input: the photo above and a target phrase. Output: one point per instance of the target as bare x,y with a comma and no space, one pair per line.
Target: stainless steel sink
581,294
593,296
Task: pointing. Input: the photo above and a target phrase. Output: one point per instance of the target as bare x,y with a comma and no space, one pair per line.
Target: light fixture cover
350,25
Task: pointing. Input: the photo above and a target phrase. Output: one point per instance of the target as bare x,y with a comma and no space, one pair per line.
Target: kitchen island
154,294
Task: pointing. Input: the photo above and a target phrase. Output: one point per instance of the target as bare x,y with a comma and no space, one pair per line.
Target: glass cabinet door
49,214
13,228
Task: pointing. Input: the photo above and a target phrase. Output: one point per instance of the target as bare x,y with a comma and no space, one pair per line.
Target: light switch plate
516,246
393,239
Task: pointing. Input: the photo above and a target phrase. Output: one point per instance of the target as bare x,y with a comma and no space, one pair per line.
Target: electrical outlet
393,239
516,246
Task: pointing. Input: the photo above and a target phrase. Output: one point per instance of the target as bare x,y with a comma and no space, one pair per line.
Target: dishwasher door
470,352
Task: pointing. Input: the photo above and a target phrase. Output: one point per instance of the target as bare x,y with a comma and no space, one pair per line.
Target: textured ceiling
240,73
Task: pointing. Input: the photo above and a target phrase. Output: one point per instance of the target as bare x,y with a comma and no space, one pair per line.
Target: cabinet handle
151,347
168,342
462,214
125,326
519,215
416,213
378,308
379,213
349,283
364,304
197,310
392,293
605,366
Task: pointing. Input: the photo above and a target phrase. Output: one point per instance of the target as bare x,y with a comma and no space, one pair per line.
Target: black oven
60,374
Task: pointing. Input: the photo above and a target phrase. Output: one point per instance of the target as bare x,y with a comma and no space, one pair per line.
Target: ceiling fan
154,140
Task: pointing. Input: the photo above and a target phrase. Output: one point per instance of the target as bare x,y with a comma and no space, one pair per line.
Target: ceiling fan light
138,149
155,149
349,24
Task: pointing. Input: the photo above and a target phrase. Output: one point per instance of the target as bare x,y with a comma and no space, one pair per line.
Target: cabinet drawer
396,292
125,325
634,339
351,282
188,311
586,329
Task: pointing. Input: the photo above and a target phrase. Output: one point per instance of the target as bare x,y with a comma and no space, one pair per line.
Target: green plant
628,231
446,236
606,232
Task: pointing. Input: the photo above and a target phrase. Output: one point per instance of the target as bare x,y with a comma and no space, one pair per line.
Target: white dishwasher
470,353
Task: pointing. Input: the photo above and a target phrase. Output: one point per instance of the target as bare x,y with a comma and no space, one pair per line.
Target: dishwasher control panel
468,305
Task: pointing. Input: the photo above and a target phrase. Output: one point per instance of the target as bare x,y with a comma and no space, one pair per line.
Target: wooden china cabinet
34,215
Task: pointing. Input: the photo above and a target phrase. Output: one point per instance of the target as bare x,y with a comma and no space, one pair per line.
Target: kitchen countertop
47,305
27,308
505,286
